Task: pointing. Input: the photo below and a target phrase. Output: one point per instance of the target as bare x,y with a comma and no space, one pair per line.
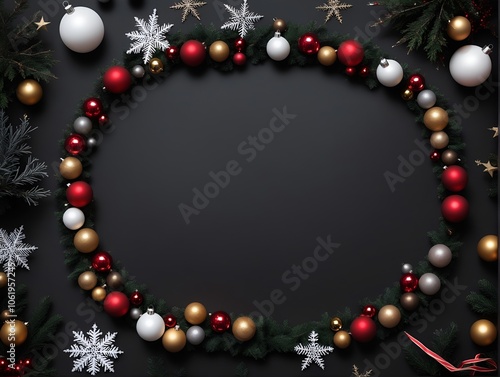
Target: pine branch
484,302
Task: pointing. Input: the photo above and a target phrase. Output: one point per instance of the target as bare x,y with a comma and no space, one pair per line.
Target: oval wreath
193,327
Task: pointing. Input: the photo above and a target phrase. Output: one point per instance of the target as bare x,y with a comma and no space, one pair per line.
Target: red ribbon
464,365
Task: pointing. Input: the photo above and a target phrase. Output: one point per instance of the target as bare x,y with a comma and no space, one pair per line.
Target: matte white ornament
278,48
150,326
73,218
389,72
81,29
470,65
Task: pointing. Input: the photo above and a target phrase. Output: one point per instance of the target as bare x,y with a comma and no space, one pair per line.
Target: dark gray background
323,175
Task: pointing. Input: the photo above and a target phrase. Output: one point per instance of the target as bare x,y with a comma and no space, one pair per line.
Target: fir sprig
484,302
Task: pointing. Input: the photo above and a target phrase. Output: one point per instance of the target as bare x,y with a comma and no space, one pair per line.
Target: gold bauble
336,324
244,329
409,301
155,66
439,140
342,339
327,55
114,280
87,280
459,28
219,51
86,240
99,294
29,92
3,279
13,332
195,313
389,316
483,332
70,168
487,248
436,118
4,315
174,340
279,25
407,94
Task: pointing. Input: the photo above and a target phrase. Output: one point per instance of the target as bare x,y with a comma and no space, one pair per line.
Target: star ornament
42,24
241,20
333,7
188,7
488,168
495,130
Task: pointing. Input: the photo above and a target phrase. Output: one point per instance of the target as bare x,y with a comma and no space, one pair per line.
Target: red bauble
454,178
102,261
309,44
364,72
79,194
136,298
103,120
193,53
408,282
350,53
172,52
240,44
75,144
92,107
170,321
363,329
435,156
220,321
455,208
239,58
117,79
116,304
369,311
350,71
416,82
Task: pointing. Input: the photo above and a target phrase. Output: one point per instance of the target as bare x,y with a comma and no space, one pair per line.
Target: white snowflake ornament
13,252
241,20
149,37
313,351
93,352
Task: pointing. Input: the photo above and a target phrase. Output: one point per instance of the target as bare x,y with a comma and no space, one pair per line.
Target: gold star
42,24
188,6
494,129
490,169
333,7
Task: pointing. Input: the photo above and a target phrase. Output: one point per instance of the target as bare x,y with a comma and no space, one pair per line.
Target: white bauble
470,65
81,29
150,326
389,72
278,47
429,284
73,218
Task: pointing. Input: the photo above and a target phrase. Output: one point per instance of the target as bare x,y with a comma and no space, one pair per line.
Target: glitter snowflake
333,7
241,20
13,252
188,7
313,351
93,352
149,37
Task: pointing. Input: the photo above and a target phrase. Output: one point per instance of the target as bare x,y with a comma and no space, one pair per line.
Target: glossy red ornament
364,72
416,82
240,44
117,79
170,321
350,53
369,311
172,52
75,144
92,107
408,282
220,321
102,261
116,304
350,71
454,178
79,194
193,53
435,156
103,120
363,329
309,44
239,58
136,298
455,208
